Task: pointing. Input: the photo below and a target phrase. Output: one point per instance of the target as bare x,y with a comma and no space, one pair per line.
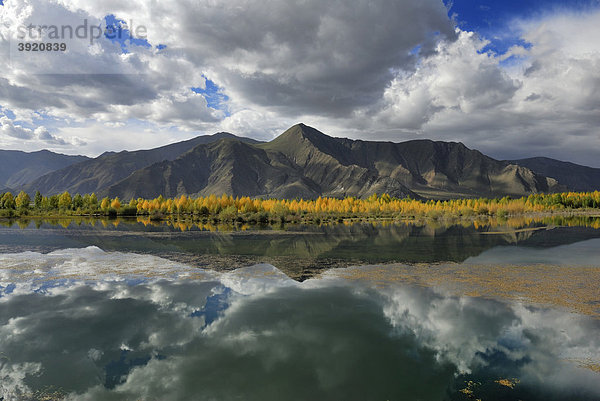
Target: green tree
228,214
45,203
22,200
37,200
53,202
77,201
65,201
7,201
91,202
279,212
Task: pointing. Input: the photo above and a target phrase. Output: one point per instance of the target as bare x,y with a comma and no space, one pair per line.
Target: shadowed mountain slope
227,166
95,175
448,169
574,176
17,168
303,162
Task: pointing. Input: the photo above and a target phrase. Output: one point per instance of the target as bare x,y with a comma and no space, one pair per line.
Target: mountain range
95,175
18,168
302,162
575,177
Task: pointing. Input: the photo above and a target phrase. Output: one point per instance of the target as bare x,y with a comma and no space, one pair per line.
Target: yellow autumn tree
105,203
115,204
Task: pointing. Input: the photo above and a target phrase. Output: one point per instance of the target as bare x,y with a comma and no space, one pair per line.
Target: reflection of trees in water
302,250
356,242
186,224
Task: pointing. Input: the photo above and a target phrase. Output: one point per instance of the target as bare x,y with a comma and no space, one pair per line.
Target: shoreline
306,219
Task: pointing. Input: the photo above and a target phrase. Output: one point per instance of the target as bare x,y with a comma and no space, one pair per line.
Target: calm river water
403,311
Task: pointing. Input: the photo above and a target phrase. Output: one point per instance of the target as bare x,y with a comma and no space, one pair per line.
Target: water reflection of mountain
297,250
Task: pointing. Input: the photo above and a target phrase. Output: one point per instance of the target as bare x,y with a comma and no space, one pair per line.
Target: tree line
227,207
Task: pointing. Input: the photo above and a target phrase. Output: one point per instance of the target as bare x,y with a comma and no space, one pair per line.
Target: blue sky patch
8,289
214,307
47,285
491,19
213,94
118,32
8,113
415,50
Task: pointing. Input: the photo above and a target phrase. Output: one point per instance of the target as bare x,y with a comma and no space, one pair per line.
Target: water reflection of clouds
255,334
535,343
88,263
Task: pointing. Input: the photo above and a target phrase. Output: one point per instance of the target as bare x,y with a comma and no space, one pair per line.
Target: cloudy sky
512,79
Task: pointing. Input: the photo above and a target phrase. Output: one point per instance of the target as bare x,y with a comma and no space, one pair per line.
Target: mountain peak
301,141
301,162
305,130
299,133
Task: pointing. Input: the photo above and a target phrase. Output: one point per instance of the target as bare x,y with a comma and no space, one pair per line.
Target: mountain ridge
18,167
303,162
96,174
576,177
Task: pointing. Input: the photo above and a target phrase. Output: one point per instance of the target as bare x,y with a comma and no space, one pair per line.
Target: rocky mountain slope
18,168
305,163
574,176
96,175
